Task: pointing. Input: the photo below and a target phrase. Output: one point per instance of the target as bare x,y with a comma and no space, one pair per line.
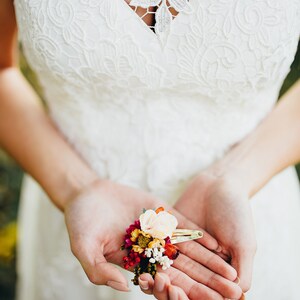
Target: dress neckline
162,27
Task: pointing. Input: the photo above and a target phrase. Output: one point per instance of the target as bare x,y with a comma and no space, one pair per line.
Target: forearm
29,136
270,148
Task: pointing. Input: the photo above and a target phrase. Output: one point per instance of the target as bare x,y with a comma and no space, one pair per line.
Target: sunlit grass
8,240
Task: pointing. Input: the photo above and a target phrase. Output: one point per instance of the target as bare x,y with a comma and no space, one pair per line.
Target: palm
104,218
222,208
96,222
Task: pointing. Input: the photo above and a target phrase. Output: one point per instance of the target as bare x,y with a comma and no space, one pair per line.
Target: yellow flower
135,234
137,248
143,241
156,243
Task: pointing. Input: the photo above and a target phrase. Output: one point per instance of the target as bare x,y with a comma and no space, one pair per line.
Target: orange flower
171,251
159,209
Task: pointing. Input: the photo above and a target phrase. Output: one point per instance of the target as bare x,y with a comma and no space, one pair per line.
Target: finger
146,283
182,295
243,263
161,286
207,240
164,290
176,293
208,259
192,289
173,293
97,269
225,257
201,274
243,297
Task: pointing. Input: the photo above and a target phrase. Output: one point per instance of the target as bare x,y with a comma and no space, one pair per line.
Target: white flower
158,253
158,225
155,254
165,262
148,252
155,251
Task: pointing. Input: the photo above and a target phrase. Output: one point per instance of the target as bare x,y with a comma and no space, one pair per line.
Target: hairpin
150,242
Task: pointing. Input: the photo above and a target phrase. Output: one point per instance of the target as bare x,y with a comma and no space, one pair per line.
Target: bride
154,103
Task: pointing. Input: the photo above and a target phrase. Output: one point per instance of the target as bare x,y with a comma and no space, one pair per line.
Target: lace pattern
221,69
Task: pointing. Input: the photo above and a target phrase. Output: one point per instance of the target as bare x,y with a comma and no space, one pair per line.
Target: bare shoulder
8,34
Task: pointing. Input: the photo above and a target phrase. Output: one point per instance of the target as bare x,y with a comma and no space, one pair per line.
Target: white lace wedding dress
150,109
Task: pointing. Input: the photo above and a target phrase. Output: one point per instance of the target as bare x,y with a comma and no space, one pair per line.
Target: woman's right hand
96,221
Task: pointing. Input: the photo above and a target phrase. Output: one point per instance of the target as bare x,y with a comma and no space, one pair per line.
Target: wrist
70,183
243,167
269,149
230,175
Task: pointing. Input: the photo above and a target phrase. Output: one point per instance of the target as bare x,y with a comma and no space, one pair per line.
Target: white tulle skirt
47,269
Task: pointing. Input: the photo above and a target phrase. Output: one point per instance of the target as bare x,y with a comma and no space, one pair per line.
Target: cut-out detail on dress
160,12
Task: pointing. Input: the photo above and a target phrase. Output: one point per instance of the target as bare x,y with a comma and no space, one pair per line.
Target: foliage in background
292,77
10,182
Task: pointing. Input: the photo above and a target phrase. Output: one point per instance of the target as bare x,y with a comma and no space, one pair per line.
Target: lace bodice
148,109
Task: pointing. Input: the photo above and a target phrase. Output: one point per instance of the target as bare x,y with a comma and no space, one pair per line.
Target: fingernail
144,284
219,249
237,280
159,283
118,286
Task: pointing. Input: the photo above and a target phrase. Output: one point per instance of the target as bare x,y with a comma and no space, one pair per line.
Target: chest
215,47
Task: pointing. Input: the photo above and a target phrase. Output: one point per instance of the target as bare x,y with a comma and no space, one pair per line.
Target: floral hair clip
150,242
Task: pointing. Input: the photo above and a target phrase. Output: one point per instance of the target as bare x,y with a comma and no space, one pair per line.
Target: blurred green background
10,181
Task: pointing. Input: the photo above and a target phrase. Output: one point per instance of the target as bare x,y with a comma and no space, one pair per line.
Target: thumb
242,261
101,272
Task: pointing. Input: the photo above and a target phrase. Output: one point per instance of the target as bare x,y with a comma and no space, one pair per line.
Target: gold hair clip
185,235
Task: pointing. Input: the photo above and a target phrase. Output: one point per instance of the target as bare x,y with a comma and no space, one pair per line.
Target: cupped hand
96,221
220,205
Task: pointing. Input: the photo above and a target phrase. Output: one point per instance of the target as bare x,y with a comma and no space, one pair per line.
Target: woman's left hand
220,205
